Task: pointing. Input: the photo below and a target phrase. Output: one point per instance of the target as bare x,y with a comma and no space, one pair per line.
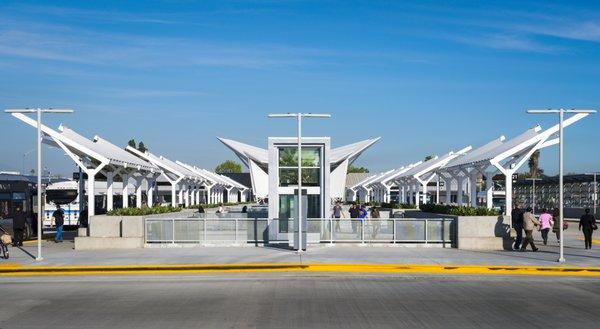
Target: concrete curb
314,268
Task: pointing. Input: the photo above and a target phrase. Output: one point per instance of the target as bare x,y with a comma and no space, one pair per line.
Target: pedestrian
83,218
201,209
353,216
363,212
244,209
529,223
337,214
587,224
362,215
221,209
376,223
556,226
545,224
517,223
59,221
19,224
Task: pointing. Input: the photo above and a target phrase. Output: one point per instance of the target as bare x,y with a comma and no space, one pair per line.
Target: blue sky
428,77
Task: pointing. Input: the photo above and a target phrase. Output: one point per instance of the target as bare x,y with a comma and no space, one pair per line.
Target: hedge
458,210
145,210
216,205
392,205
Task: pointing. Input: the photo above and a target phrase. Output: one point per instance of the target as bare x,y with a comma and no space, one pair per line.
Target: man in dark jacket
517,223
19,224
587,223
353,216
59,221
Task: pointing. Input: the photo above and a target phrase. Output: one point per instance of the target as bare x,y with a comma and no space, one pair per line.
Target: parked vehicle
66,194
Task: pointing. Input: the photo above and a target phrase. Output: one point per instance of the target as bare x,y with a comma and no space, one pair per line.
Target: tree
357,170
132,143
228,167
141,147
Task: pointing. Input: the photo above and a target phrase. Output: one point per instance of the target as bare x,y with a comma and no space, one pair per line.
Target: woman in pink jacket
545,224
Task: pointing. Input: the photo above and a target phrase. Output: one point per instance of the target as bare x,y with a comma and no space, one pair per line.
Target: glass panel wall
288,166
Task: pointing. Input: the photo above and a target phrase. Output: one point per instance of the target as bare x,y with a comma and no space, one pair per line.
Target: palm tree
534,164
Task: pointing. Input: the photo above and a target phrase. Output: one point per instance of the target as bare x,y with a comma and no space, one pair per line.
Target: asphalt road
299,301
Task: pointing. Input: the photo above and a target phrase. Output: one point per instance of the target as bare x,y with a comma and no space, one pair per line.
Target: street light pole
561,117
533,180
299,117
39,112
595,196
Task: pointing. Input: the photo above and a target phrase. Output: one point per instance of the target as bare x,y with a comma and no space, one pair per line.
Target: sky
426,76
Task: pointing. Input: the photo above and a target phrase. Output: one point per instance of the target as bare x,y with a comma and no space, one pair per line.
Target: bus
67,196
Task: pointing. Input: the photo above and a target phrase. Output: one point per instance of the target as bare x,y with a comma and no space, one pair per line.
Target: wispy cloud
86,47
145,93
506,42
583,31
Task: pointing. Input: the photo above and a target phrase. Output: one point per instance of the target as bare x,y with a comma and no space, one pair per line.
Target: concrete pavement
300,301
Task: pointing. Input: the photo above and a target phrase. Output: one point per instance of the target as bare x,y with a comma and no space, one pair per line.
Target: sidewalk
62,259
62,254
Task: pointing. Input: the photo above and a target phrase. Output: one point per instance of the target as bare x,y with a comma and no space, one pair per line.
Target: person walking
353,216
19,223
83,218
59,221
529,223
587,224
517,223
376,223
337,213
556,226
363,213
545,224
221,209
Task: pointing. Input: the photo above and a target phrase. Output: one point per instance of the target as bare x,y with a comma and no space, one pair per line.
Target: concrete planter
117,232
483,233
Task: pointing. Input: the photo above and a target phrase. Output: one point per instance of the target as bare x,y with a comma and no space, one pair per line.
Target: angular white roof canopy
260,155
98,148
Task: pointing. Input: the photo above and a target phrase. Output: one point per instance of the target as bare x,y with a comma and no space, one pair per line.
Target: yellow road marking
8,265
594,241
307,268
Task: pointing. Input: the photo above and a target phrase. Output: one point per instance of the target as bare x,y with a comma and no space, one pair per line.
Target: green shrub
216,205
143,211
458,210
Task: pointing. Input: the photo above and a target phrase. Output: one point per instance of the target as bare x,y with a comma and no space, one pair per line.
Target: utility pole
299,117
561,119
38,112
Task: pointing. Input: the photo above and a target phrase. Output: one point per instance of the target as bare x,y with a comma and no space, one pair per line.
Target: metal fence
326,230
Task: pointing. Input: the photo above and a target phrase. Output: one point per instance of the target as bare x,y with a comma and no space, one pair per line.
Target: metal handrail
328,229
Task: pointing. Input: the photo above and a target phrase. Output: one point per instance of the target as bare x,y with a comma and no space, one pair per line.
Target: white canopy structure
257,161
419,176
381,186
501,156
361,191
99,156
217,184
465,165
175,174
